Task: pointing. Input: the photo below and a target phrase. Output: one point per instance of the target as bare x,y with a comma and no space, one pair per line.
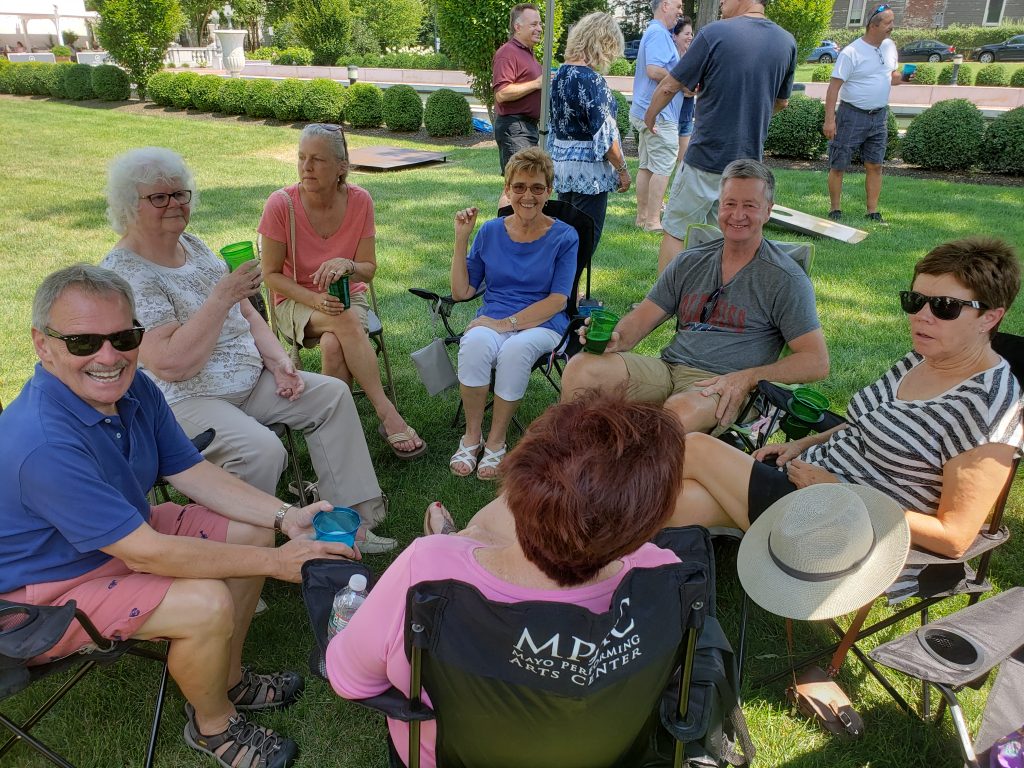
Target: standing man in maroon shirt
516,82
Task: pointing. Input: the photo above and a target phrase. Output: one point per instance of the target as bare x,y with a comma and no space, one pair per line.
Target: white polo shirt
866,73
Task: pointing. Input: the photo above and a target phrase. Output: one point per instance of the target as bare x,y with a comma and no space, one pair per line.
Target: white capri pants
510,355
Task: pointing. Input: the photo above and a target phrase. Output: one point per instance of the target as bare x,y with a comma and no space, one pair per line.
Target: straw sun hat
823,551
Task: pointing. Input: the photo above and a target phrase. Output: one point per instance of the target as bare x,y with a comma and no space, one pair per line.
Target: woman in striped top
937,432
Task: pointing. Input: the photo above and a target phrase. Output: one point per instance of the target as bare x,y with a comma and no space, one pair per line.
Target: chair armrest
441,306
396,705
26,631
779,396
983,542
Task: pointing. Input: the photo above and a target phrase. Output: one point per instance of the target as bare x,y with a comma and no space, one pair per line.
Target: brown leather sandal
817,696
242,744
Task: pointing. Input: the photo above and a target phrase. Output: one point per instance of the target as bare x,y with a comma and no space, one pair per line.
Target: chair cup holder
952,649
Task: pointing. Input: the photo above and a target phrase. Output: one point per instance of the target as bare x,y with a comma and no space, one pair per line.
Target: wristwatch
513,321
279,517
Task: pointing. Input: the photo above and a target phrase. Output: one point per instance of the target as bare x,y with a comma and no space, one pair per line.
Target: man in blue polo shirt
83,443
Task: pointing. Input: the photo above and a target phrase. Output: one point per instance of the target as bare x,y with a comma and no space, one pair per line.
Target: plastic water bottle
346,602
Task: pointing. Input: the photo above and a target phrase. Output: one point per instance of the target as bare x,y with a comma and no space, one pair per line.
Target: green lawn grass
53,167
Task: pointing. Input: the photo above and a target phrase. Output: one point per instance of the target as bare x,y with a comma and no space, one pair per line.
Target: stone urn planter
232,50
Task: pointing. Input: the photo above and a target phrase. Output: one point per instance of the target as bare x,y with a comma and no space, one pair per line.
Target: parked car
632,49
825,53
1008,50
927,50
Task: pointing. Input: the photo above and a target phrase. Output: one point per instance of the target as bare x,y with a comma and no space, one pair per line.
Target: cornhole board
805,223
384,158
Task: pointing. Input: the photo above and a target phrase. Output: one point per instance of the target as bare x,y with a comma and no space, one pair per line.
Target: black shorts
513,133
768,484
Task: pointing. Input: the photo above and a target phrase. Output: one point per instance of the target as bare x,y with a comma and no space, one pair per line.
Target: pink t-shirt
313,250
368,657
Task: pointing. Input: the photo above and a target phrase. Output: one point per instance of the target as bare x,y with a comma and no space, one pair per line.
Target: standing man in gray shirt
742,71
737,301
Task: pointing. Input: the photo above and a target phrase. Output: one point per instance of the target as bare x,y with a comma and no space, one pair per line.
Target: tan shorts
293,318
693,199
658,151
653,380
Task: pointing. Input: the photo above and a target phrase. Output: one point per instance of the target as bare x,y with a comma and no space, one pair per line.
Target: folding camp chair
550,365
940,577
28,631
609,686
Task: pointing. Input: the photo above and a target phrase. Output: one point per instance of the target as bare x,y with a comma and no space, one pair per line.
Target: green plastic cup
808,404
796,428
599,331
238,253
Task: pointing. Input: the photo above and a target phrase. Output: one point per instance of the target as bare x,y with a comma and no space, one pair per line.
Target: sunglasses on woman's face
942,307
520,189
85,344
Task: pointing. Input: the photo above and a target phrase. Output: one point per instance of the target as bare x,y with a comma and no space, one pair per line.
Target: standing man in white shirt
864,73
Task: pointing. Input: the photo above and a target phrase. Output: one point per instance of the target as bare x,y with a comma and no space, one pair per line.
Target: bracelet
279,517
621,168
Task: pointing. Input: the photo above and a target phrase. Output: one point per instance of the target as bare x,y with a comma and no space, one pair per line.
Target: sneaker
835,215
876,217
376,545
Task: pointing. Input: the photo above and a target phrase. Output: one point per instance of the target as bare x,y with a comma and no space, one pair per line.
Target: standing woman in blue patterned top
584,141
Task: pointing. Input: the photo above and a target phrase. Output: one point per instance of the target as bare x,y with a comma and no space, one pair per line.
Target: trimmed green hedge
402,108
821,73
399,61
302,57
622,115
947,136
56,79
157,88
259,98
111,83
6,75
1003,149
1017,79
78,82
179,90
262,54
963,38
206,93
993,75
288,99
324,101
232,96
364,105
926,74
796,130
964,76
447,114
622,68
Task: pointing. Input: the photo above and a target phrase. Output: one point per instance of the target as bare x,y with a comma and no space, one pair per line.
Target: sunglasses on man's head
163,199
85,344
880,9
942,307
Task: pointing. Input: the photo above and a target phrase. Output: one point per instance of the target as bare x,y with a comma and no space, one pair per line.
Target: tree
472,32
249,14
574,11
806,20
136,34
197,12
634,14
394,23
324,27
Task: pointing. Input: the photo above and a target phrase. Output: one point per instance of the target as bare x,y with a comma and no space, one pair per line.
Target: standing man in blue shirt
658,145
83,443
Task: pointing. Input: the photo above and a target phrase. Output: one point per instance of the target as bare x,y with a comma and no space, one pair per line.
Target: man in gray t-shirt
737,301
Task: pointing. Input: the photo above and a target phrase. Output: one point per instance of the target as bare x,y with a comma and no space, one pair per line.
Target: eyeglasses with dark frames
163,199
942,307
85,344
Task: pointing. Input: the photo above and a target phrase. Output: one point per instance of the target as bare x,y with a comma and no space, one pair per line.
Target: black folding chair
550,365
28,631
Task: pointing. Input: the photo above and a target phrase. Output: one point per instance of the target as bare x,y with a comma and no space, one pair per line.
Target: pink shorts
117,599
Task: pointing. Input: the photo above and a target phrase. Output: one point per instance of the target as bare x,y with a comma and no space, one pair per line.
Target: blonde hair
596,40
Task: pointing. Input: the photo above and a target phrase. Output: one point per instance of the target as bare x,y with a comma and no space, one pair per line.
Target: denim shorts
856,129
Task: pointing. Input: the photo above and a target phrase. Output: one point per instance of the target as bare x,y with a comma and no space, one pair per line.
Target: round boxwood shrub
364,105
403,108
55,79
206,93
302,57
157,88
1003,150
965,75
30,79
323,101
447,114
288,99
821,73
111,83
993,74
1017,79
947,136
62,51
179,90
78,82
621,68
796,130
262,54
259,98
926,74
232,96
622,115
6,75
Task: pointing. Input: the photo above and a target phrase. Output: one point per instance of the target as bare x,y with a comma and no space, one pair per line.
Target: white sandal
491,460
465,455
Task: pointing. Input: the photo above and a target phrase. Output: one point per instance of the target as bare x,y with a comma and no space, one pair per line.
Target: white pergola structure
16,15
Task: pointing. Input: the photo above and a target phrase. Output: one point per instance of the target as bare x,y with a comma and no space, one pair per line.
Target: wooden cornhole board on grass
805,223
384,158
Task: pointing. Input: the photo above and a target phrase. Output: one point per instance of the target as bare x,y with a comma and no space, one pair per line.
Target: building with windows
930,13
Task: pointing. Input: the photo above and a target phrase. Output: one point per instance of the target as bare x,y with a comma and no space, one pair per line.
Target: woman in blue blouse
584,141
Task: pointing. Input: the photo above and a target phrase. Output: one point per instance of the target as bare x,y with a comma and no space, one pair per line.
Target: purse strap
290,245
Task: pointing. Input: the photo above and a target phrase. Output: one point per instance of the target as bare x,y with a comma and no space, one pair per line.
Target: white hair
147,165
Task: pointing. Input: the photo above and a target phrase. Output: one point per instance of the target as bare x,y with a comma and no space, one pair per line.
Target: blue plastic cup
340,525
908,71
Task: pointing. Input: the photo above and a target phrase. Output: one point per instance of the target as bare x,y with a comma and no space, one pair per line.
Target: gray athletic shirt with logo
766,304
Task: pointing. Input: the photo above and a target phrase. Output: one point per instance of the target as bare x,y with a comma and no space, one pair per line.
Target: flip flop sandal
248,745
467,454
490,460
816,696
252,690
446,529
401,437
